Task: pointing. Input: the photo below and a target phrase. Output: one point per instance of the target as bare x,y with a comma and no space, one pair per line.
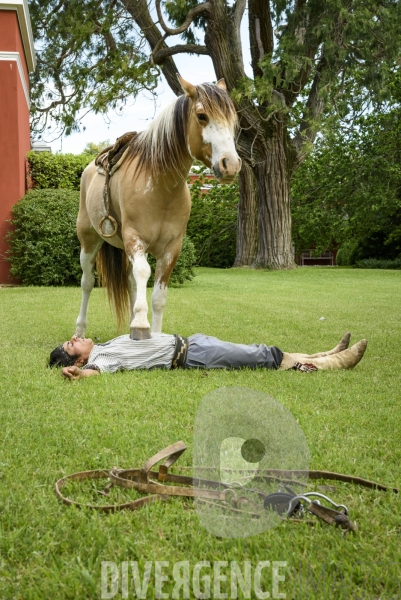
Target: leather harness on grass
153,484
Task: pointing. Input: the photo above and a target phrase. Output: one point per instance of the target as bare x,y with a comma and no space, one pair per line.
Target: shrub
383,244
213,222
55,171
346,254
44,248
377,263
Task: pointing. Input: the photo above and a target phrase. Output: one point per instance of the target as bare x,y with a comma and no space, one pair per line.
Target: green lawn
51,427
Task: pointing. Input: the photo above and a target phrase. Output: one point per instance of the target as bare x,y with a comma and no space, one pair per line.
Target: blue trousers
206,352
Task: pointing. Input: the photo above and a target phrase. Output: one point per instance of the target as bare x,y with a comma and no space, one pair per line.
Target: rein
153,485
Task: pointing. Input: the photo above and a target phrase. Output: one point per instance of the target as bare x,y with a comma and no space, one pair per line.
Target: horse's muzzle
227,169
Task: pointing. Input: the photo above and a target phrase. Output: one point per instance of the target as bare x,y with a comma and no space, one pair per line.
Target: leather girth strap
108,162
153,484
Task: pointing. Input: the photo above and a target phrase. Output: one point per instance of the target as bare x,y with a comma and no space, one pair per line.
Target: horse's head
211,128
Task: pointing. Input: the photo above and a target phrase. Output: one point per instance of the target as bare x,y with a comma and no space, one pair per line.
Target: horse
150,203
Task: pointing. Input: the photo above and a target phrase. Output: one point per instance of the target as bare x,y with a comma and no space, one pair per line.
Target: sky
139,113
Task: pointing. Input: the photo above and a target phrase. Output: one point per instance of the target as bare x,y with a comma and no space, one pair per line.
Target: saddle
108,161
111,158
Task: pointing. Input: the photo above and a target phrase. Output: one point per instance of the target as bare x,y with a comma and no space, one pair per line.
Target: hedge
44,248
377,263
57,171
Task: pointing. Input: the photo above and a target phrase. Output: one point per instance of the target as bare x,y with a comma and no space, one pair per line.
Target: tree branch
300,30
260,32
223,40
258,39
139,11
160,55
201,8
295,27
301,79
238,11
313,110
107,35
55,10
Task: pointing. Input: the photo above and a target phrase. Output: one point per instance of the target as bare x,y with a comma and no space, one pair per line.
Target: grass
51,427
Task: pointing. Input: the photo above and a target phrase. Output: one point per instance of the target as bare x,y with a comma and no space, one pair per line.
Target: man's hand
75,372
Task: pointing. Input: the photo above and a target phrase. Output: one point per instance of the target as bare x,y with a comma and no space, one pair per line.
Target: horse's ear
188,88
221,84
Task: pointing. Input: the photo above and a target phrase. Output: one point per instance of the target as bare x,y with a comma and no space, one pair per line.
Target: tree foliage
89,57
213,222
312,61
348,191
93,148
95,54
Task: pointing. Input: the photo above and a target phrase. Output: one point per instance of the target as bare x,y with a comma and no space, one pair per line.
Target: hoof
139,334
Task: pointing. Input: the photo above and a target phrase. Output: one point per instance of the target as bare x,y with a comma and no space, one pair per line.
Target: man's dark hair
60,358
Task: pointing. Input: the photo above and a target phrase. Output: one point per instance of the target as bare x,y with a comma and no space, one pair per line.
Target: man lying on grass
197,351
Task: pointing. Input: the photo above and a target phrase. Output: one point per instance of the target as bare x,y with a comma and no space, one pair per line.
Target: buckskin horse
145,205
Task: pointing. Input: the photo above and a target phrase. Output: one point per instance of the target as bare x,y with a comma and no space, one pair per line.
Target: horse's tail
112,269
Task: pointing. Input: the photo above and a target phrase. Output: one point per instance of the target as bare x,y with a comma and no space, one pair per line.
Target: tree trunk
247,223
274,214
263,143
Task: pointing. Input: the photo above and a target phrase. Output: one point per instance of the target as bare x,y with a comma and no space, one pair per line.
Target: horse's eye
202,117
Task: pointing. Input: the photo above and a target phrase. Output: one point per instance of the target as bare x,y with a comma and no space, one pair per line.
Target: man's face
80,346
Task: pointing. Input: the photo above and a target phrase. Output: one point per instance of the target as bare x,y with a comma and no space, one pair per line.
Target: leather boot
342,345
305,358
347,359
288,361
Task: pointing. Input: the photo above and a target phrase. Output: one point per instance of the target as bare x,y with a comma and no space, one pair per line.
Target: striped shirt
122,353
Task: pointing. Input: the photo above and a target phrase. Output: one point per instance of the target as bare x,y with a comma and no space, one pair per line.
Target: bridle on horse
153,485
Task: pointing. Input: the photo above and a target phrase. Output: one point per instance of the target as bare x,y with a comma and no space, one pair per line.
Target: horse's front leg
132,292
164,267
87,259
139,326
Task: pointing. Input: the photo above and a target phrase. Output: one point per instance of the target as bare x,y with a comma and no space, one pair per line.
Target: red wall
14,128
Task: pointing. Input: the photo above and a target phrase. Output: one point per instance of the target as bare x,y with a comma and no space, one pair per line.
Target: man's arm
75,372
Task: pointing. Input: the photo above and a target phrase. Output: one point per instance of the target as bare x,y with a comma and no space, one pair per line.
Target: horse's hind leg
89,249
159,299
164,267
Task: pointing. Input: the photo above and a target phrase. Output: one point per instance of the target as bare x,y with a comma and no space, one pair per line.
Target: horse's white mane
162,142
